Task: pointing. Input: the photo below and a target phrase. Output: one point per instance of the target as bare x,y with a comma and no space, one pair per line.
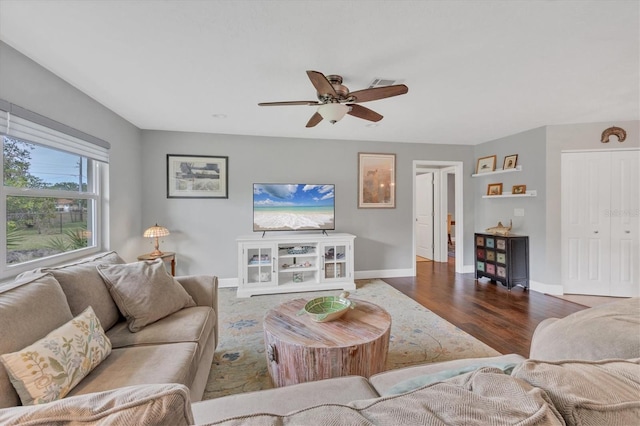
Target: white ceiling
476,70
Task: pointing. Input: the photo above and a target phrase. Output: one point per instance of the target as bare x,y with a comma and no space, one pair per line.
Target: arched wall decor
619,132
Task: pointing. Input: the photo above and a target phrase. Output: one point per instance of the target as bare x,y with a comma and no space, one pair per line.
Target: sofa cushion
84,287
193,324
19,327
605,392
602,332
166,404
485,396
141,365
144,291
50,367
283,400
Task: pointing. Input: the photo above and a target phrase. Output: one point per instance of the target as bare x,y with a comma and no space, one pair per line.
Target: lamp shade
333,112
156,231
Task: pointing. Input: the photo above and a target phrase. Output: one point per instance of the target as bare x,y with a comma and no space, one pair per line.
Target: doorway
436,174
425,223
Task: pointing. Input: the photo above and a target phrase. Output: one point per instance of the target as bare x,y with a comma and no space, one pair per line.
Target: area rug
417,336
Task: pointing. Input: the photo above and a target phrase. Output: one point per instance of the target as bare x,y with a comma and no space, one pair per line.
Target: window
51,195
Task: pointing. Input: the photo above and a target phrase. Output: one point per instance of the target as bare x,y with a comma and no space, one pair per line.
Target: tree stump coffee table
300,350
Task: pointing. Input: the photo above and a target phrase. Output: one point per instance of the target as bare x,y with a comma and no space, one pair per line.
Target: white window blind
22,124
4,116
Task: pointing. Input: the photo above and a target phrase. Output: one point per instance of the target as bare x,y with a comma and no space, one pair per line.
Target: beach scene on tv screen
293,207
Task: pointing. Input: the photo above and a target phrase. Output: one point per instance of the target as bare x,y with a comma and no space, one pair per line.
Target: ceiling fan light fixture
333,112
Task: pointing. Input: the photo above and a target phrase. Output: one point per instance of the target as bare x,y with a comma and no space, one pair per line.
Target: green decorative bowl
328,308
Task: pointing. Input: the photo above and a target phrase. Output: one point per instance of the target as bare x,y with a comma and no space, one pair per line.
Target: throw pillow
83,286
49,368
144,291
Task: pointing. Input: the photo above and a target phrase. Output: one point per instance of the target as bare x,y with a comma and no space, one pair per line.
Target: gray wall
565,138
27,84
530,147
204,231
539,151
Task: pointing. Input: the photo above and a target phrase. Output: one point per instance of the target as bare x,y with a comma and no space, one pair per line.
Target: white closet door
586,237
624,212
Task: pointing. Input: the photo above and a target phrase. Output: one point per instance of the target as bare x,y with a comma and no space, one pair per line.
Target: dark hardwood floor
502,319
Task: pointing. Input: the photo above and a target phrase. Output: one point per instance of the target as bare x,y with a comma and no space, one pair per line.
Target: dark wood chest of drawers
503,259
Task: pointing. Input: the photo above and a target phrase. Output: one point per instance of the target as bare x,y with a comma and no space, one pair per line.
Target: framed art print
197,176
486,164
519,189
376,181
494,189
510,162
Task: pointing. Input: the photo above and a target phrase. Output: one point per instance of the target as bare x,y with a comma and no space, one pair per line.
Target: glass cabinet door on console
334,261
260,268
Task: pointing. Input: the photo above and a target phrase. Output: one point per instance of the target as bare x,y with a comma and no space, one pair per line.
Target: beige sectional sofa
177,348
583,369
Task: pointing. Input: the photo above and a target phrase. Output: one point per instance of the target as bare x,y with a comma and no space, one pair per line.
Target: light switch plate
518,212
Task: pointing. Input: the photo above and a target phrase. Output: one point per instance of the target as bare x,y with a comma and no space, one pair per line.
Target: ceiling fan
335,100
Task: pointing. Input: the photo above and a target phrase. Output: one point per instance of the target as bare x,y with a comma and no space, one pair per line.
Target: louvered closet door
586,237
625,223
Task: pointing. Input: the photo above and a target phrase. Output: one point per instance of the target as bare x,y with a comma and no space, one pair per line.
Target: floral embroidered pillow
48,369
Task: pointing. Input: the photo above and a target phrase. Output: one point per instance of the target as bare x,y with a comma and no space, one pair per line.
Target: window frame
96,192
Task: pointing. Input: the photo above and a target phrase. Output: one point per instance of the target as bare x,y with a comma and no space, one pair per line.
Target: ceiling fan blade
315,119
321,83
285,103
376,93
364,113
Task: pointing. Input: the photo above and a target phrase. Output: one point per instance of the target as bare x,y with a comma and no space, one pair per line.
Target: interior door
586,229
624,213
424,215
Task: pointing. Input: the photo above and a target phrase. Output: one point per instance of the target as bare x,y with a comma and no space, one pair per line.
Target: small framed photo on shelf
486,164
519,189
510,162
494,189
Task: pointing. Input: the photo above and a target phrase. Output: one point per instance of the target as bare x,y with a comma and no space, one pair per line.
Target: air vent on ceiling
381,82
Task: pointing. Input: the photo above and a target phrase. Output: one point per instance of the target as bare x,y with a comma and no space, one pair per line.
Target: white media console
287,263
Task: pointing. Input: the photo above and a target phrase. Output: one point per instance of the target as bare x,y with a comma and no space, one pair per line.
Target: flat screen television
293,207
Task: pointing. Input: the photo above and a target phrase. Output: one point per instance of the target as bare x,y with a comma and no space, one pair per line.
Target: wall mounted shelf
532,193
498,171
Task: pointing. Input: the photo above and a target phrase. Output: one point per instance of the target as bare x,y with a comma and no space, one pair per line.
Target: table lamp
156,232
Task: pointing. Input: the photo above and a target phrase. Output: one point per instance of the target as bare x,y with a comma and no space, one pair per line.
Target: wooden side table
301,350
167,256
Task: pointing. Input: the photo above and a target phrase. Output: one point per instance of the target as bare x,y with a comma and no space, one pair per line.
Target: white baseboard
546,288
384,273
468,269
394,273
227,282
359,275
